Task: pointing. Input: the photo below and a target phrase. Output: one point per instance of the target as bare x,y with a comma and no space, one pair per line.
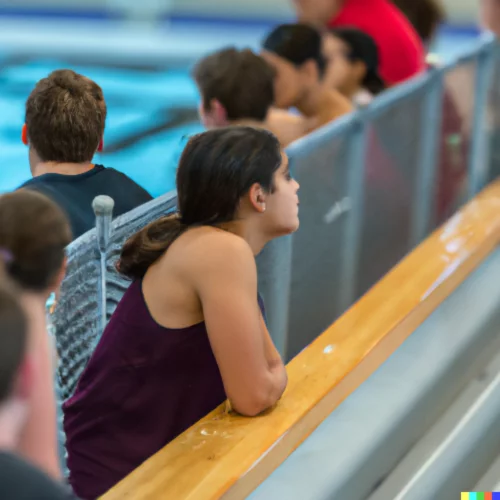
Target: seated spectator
296,53
18,479
353,64
34,233
401,52
188,333
237,89
65,116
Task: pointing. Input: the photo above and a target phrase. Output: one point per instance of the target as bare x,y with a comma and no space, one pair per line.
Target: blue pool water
150,112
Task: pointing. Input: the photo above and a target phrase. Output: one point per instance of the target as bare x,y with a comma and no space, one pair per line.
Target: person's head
65,118
424,15
34,233
229,175
295,52
15,368
353,61
235,85
317,12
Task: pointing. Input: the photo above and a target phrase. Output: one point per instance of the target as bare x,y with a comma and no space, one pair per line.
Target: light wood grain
227,456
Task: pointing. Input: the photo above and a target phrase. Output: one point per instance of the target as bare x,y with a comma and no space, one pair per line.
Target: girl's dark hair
362,47
297,43
34,233
216,169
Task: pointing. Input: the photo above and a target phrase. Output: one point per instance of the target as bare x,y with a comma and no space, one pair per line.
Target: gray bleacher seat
76,316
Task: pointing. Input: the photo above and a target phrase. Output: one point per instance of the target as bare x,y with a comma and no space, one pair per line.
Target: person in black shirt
18,479
64,127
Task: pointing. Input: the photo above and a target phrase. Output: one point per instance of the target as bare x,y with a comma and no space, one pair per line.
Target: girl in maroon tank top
189,332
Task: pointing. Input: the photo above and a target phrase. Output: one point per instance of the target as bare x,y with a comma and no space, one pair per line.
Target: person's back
65,119
188,332
75,193
165,383
19,480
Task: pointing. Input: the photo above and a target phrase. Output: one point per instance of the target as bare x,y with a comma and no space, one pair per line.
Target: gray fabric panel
76,316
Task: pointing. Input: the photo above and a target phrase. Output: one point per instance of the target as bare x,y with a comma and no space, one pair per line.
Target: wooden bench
226,455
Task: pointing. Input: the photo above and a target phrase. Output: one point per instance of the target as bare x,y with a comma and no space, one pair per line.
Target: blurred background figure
18,373
353,64
34,234
401,52
295,51
237,88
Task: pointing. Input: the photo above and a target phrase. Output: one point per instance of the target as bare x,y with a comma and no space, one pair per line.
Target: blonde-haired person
34,233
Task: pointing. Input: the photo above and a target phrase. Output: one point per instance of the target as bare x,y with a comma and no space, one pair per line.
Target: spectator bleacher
368,197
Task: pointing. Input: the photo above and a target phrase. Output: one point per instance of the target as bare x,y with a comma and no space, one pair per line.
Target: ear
24,134
60,277
360,70
101,146
219,111
258,198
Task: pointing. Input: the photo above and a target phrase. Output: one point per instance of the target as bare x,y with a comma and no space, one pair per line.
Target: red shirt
401,51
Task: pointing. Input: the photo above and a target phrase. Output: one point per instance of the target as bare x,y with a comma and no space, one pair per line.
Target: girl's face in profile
341,73
282,205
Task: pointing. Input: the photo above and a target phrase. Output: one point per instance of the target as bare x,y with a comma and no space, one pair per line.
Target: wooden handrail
226,455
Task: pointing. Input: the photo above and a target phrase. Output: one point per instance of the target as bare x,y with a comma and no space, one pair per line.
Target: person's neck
52,167
314,101
351,92
257,241
12,418
35,306
248,122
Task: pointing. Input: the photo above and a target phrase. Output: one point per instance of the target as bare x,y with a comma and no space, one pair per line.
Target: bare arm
253,374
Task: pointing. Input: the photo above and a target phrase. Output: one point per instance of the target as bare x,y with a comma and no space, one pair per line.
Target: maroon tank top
144,385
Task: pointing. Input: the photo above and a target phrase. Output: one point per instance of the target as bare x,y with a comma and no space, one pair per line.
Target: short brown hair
65,117
424,15
240,80
34,233
13,337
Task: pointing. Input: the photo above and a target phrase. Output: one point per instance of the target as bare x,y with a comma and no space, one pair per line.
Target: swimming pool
151,109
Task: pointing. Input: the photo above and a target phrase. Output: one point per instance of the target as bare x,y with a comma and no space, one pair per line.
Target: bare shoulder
282,117
214,248
286,126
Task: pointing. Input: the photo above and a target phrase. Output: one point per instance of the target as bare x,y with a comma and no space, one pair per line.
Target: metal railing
374,184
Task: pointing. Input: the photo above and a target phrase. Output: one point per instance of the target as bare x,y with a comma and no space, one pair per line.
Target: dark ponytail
216,169
148,245
373,83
